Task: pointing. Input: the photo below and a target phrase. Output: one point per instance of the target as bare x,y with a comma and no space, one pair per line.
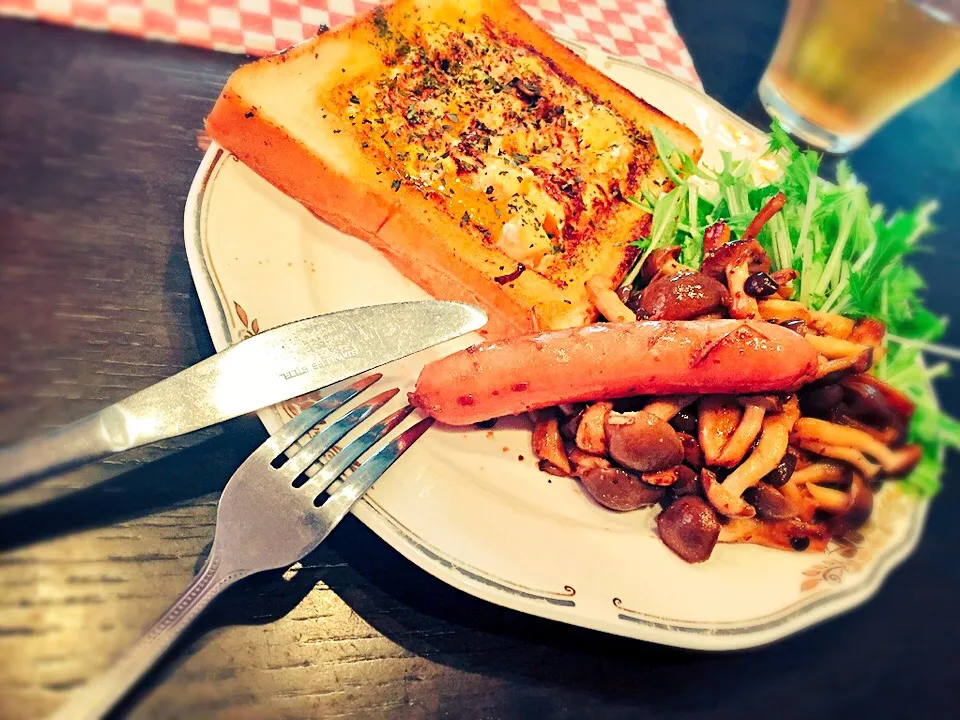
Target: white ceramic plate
464,506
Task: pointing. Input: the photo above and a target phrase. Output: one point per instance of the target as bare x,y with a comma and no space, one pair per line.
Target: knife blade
268,368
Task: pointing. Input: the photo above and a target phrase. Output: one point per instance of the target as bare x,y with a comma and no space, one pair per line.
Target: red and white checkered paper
638,28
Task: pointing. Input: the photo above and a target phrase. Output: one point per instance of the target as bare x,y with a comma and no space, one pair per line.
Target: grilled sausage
611,361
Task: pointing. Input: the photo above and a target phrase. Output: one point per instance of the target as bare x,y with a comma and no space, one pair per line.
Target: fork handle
102,694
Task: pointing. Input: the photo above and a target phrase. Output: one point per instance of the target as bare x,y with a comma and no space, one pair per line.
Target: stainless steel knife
268,368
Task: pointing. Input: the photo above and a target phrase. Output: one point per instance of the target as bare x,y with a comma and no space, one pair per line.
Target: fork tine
325,439
294,428
344,459
363,478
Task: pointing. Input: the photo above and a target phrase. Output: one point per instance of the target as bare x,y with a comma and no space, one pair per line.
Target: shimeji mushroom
735,262
771,208
894,462
821,472
828,499
843,366
770,449
865,385
668,406
690,528
851,456
800,499
718,418
716,235
789,534
582,461
682,296
769,502
850,508
831,324
548,445
755,407
663,261
591,432
868,331
618,489
643,442
782,311
859,508
607,301
833,348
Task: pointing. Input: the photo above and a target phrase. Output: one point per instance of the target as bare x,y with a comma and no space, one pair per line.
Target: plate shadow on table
406,604
442,625
546,659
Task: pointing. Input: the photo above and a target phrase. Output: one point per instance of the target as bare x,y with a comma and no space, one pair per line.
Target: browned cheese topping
501,138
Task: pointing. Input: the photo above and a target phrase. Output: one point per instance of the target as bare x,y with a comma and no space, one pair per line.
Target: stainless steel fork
269,517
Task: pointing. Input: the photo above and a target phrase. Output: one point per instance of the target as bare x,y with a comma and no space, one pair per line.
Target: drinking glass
843,67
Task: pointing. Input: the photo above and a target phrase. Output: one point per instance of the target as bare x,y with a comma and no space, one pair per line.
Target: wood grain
97,150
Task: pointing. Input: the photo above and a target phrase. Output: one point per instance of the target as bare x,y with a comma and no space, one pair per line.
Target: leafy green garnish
849,254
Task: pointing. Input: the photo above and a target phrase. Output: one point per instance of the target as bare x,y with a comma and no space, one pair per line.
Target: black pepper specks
395,185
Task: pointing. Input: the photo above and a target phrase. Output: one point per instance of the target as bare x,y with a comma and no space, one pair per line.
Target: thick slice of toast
488,162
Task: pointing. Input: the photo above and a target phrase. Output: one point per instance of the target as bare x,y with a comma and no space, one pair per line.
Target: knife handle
74,444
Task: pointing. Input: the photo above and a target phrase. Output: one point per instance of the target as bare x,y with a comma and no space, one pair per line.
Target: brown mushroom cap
716,235
738,252
662,260
643,442
868,331
619,490
782,473
769,502
859,508
690,528
692,454
681,296
688,482
894,399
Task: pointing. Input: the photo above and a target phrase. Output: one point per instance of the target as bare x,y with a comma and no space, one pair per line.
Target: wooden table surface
98,144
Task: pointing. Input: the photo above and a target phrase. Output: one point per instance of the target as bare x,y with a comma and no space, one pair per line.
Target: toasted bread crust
421,239
273,154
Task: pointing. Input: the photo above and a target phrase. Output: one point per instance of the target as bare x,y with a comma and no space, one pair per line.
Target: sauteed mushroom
771,208
689,527
770,449
859,508
681,296
591,432
868,331
750,424
894,462
735,261
831,324
663,261
791,534
716,235
769,502
606,300
548,445
718,418
618,489
668,406
643,442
